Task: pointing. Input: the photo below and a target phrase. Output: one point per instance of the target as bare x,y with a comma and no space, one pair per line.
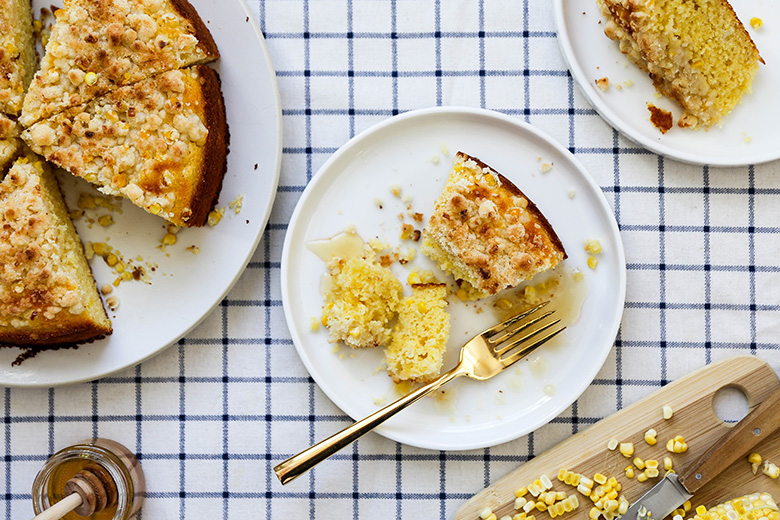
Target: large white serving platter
184,287
401,151
748,135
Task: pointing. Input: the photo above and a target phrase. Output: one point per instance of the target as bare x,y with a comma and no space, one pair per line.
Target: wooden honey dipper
89,491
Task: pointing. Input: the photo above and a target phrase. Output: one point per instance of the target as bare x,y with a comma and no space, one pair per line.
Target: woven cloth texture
211,416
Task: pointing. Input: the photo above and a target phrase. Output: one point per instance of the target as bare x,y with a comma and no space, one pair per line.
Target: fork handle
299,464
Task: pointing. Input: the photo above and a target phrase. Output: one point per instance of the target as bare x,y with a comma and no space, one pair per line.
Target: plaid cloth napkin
213,414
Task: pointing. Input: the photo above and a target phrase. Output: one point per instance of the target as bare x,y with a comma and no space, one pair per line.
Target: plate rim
613,120
277,161
442,111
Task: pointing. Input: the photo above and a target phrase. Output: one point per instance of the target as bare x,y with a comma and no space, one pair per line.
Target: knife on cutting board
674,489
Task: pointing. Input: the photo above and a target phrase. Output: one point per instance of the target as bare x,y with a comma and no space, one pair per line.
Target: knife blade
673,490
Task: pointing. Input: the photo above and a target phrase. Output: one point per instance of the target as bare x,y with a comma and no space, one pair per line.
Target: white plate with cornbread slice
187,279
414,151
747,135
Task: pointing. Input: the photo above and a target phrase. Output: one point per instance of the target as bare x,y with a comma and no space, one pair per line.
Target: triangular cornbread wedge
97,46
17,53
47,293
487,233
697,53
161,142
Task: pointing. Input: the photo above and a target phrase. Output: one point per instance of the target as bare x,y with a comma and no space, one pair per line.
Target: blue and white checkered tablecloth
213,414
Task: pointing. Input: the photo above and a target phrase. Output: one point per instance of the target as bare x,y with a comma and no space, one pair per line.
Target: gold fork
484,356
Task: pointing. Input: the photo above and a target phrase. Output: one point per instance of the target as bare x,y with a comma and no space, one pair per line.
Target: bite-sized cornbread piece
17,53
8,127
416,352
697,53
99,45
161,142
9,149
486,232
362,299
47,293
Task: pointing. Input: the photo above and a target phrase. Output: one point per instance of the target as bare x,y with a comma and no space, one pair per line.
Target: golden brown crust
207,43
214,165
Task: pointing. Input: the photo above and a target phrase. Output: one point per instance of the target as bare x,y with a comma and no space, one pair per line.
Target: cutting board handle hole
730,404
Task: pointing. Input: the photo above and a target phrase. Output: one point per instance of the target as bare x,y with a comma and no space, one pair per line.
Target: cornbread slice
696,51
17,53
416,352
161,142
361,301
47,293
99,45
487,233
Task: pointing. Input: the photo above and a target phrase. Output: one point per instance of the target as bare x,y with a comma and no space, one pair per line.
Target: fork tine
520,354
516,338
507,334
492,331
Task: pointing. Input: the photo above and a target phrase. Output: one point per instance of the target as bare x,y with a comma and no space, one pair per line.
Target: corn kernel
560,495
639,463
90,78
519,516
771,470
601,479
485,513
492,517
584,490
520,502
541,506
687,506
700,510
534,490
575,479
593,246
756,22
521,492
612,444
546,482
667,412
667,463
111,259
592,262
594,513
755,461
612,482
574,501
612,495
585,481
641,477
506,517
652,472
677,517
650,437
626,449
549,498
528,506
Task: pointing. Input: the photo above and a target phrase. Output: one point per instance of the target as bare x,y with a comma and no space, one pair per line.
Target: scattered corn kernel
520,502
593,246
687,506
667,463
492,517
771,470
592,262
642,477
652,472
169,239
612,444
528,506
626,449
546,482
541,506
584,490
650,437
523,491
755,461
585,481
677,517
601,479
756,22
700,510
667,412
639,463
594,513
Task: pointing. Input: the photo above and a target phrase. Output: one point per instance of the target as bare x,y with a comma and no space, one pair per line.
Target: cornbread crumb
236,204
571,193
361,301
697,53
195,250
106,289
395,189
112,302
314,324
435,159
546,167
603,83
578,276
593,262
661,119
592,246
378,202
215,216
487,233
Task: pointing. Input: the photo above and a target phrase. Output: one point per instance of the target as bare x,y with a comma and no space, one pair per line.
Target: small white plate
748,135
184,286
400,151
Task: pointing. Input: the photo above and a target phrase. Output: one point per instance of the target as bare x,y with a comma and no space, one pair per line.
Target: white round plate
748,135
401,151
184,286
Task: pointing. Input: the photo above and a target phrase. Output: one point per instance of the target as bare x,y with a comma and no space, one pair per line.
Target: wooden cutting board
691,398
